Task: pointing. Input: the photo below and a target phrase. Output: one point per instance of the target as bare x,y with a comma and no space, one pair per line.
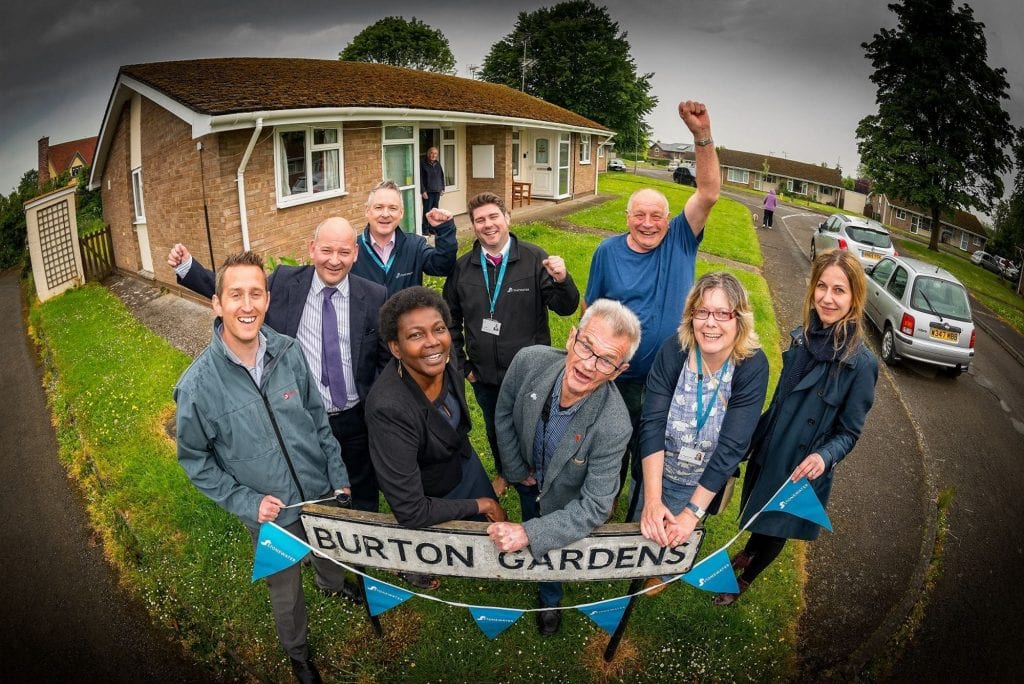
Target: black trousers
349,428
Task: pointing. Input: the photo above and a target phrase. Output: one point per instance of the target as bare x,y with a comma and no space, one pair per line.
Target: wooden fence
97,254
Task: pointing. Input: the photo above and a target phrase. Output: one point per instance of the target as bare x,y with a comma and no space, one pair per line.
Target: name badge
691,455
491,326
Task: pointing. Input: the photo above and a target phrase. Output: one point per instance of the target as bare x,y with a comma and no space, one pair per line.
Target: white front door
543,170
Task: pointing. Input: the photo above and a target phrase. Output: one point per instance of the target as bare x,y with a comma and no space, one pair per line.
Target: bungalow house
677,151
763,172
959,228
250,153
70,156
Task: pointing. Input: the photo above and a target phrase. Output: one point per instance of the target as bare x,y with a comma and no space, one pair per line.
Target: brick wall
501,184
583,176
116,190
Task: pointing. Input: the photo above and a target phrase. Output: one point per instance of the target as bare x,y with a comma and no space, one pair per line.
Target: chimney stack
44,160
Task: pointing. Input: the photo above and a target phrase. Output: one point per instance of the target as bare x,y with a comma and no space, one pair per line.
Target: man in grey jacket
253,436
562,426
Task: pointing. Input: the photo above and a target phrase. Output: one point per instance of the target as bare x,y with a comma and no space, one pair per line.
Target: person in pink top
770,202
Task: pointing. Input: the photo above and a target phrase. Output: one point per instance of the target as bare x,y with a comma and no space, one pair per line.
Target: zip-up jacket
413,257
527,292
238,442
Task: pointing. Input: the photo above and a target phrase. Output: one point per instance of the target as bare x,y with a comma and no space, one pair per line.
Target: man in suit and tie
333,315
562,426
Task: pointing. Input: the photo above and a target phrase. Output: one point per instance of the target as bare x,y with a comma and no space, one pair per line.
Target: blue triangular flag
714,573
494,621
382,596
798,498
276,550
606,614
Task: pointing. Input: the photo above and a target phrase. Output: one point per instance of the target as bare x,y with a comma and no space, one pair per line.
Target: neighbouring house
669,151
959,228
70,156
231,154
763,172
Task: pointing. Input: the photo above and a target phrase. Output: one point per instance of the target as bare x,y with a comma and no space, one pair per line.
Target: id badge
691,456
491,326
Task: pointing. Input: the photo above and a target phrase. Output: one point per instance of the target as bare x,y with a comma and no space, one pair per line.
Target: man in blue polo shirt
651,268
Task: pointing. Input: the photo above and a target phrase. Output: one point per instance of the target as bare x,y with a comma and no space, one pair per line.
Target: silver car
922,312
867,239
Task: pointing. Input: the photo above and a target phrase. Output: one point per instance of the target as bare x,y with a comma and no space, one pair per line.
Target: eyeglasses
702,315
584,351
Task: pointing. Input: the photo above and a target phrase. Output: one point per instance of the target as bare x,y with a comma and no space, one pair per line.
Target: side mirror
821,226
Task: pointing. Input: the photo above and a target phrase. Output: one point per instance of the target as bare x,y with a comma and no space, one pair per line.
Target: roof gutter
240,178
283,117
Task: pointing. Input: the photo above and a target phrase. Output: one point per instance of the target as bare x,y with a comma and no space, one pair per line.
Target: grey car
867,239
922,312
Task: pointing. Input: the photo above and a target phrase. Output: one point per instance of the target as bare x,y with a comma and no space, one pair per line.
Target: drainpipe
241,182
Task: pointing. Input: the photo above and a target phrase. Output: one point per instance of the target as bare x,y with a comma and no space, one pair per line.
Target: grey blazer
582,476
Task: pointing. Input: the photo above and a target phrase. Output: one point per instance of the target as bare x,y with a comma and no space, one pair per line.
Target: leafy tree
939,135
573,55
13,230
1009,213
395,41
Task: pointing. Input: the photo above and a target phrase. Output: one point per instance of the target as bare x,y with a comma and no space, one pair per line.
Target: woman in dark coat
816,416
418,422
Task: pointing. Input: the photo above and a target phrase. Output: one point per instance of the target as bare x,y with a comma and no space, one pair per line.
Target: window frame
899,214
739,173
308,195
584,149
138,199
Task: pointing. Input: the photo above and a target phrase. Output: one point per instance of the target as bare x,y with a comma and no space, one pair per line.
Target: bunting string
277,549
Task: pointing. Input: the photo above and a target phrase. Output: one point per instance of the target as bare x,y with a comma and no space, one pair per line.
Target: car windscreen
867,236
942,297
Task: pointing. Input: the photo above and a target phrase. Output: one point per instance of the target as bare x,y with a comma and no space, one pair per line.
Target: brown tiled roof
958,218
777,166
62,154
250,84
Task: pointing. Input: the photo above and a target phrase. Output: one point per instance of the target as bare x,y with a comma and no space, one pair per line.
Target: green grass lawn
110,383
994,292
729,234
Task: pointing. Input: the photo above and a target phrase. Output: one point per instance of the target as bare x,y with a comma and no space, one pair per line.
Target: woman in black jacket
418,422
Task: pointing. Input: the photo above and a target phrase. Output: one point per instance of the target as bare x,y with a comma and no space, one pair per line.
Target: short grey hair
657,193
622,321
382,185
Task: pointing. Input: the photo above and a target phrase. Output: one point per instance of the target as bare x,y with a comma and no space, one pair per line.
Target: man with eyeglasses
562,426
396,259
499,294
651,268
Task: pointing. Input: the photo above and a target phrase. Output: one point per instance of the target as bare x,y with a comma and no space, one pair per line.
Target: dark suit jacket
289,287
416,453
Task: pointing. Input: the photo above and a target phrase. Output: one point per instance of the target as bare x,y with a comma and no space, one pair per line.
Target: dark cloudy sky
779,76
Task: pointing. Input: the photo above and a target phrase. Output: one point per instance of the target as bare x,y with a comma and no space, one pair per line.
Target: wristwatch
703,142
696,510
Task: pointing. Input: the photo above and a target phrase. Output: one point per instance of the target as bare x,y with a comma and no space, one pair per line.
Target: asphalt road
64,616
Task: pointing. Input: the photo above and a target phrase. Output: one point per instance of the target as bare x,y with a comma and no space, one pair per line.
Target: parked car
867,239
616,165
923,313
1008,269
684,175
987,261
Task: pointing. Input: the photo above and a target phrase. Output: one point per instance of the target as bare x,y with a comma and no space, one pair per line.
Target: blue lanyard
487,280
702,415
373,254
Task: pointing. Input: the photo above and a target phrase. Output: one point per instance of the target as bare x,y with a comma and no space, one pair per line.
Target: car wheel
889,346
814,252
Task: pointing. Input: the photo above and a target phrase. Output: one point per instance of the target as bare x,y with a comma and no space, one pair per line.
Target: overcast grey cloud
779,76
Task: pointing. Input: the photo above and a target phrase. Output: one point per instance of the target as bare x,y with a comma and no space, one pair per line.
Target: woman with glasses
703,398
816,416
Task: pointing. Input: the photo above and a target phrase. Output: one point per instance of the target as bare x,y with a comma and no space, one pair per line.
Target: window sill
296,200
